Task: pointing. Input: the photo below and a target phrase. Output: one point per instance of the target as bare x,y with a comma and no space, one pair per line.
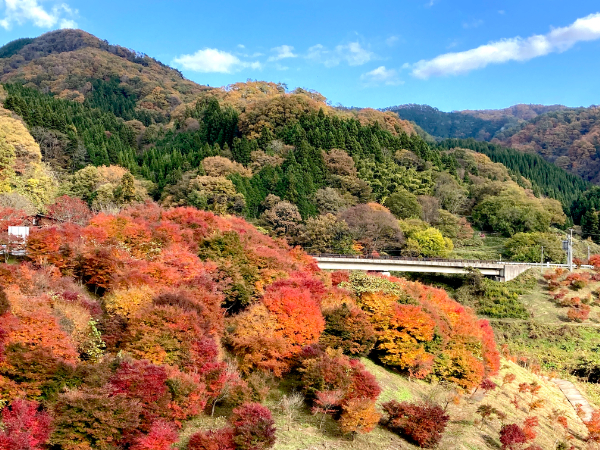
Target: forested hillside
482,125
546,178
444,125
331,180
568,138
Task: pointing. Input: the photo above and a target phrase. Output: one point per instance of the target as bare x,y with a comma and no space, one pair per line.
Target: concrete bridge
501,271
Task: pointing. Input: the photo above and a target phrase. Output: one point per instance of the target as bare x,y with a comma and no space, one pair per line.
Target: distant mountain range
568,137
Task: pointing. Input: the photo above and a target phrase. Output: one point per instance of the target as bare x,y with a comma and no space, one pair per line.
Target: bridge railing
402,258
462,261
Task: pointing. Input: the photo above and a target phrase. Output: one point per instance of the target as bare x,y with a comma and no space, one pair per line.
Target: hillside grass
464,432
491,246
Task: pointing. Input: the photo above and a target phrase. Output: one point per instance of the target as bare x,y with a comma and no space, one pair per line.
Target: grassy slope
491,247
464,431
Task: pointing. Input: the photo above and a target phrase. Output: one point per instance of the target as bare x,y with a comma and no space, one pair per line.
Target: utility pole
570,251
588,260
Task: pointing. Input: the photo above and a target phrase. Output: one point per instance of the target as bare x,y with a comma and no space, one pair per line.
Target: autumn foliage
24,426
421,423
407,317
114,331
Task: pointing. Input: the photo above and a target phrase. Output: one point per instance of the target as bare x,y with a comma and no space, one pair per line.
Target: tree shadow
490,441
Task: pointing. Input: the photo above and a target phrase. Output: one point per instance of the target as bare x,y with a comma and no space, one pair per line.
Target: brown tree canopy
376,230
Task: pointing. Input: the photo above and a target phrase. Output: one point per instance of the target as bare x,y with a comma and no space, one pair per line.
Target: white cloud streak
282,52
514,49
353,54
392,40
476,23
212,60
380,76
19,12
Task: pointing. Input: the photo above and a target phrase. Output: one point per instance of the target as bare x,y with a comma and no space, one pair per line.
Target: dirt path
574,396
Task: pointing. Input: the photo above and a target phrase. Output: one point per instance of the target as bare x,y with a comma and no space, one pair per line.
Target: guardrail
463,261
400,258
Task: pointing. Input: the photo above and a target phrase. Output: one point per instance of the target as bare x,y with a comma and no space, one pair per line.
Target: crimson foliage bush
212,440
25,427
253,427
162,436
422,424
512,437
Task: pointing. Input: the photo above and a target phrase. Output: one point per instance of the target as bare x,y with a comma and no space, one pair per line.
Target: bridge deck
503,270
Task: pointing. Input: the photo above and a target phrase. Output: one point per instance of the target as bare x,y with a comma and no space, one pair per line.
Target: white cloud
18,12
282,52
380,76
353,54
392,40
514,49
473,24
453,44
214,60
67,23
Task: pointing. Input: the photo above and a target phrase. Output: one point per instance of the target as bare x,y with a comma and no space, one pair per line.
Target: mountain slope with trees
568,138
332,180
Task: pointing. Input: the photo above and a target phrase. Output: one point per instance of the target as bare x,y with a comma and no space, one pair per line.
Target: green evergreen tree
590,226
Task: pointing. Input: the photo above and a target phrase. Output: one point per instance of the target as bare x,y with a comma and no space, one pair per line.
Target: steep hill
73,64
444,125
330,179
482,125
569,138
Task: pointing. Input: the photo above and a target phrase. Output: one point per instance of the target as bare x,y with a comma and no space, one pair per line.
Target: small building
19,232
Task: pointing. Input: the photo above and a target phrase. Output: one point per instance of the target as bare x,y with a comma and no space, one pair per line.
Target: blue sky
452,54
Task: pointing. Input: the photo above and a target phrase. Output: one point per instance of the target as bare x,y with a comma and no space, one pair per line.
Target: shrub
253,427
349,329
4,303
553,285
578,313
24,426
330,370
363,384
508,379
577,281
162,436
326,402
421,423
212,440
359,416
145,383
595,261
593,426
94,419
488,385
512,437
